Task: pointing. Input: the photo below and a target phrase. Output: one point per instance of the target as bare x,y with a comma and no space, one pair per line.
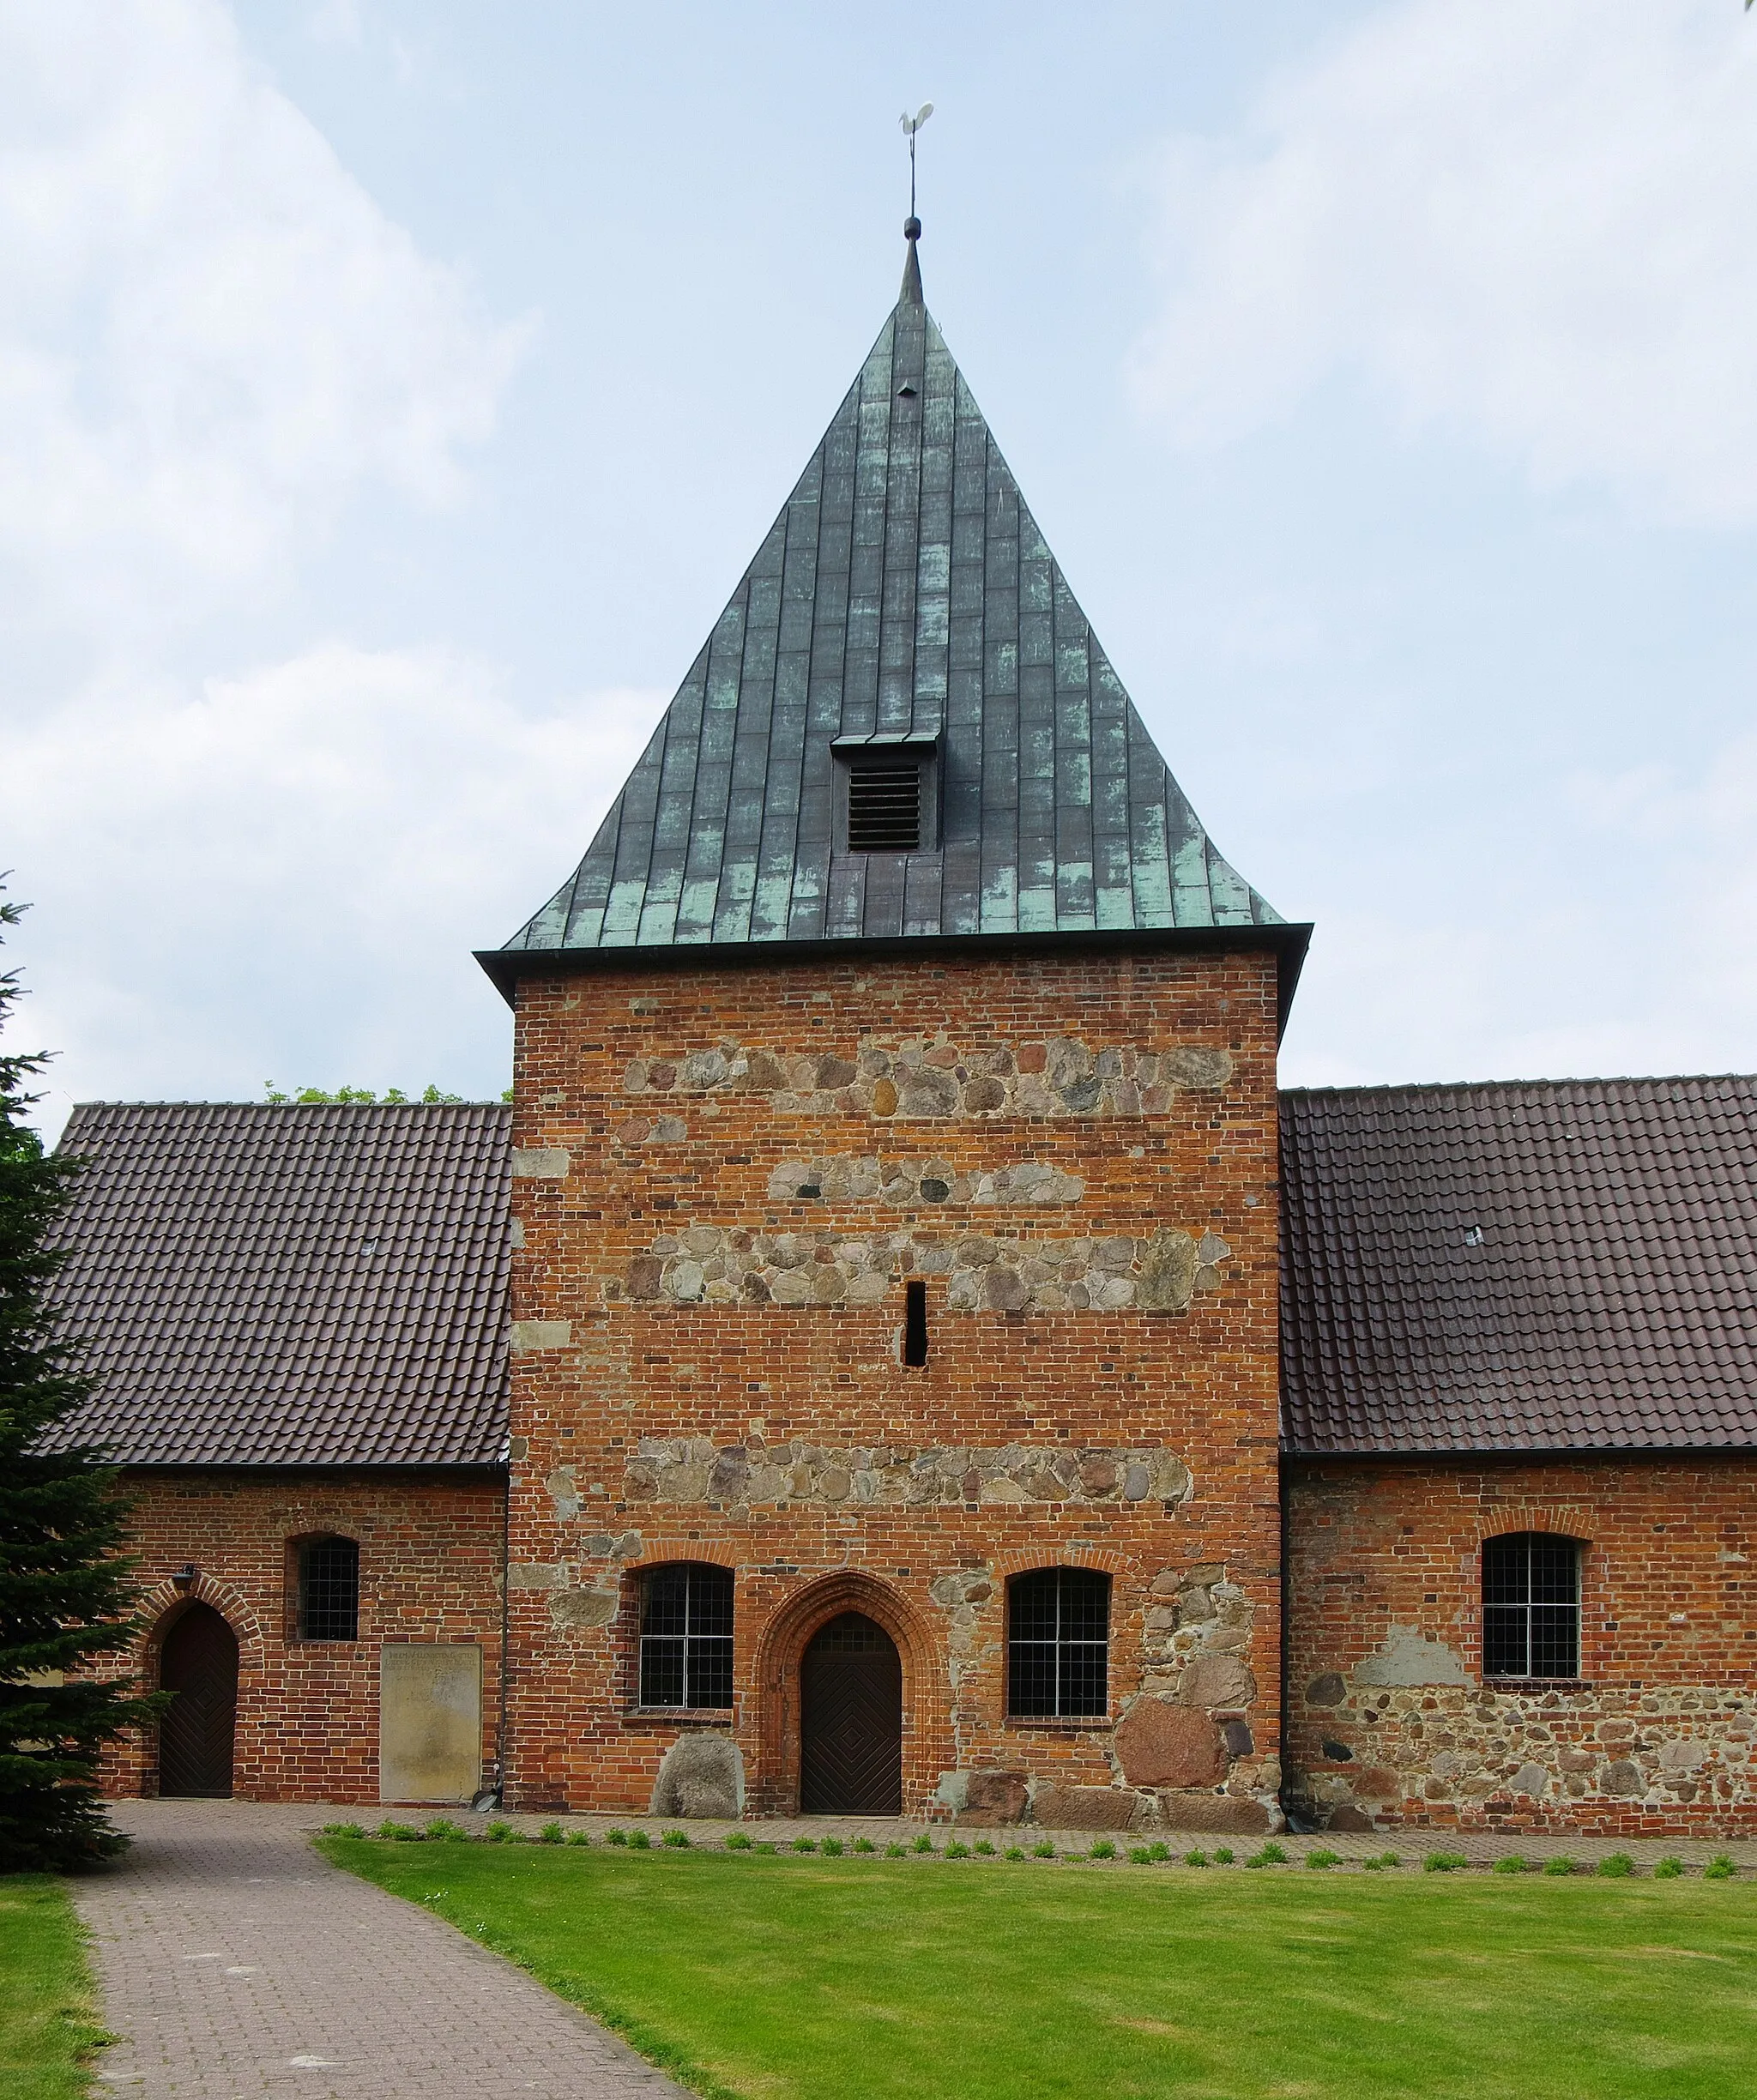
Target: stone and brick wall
724,1178
431,1545
1390,1721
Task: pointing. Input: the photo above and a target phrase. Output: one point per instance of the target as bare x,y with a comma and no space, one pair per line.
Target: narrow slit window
329,1590
884,801
686,1635
915,1326
1058,1643
1531,1606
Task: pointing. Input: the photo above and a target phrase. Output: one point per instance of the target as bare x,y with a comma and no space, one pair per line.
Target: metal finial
912,226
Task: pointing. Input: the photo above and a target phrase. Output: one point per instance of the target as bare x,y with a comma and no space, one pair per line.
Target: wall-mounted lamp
184,1577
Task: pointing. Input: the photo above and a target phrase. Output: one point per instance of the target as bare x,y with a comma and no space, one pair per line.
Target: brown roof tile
1568,1266
291,1286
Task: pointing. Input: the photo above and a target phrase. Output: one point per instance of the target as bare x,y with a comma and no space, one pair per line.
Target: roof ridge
282,1107
1473,1086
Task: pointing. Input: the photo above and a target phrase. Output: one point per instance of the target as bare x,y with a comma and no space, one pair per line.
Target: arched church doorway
851,1720
199,1662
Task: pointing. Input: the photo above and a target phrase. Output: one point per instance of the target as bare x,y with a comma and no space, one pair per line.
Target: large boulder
1217,1680
1164,1746
994,1797
701,1775
1221,1812
1083,1808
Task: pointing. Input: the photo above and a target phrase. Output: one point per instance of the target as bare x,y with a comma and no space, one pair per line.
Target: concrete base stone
1083,1809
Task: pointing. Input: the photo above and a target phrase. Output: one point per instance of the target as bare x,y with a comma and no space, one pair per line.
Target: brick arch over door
926,1733
161,1606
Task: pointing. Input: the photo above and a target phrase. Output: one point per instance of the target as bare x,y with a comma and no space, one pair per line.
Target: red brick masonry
1390,1722
1076,1154
430,1545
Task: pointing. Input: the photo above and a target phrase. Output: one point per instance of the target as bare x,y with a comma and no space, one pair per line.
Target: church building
901,1353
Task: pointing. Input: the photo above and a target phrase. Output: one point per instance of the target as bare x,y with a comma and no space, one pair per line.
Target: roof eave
1288,942
485,1467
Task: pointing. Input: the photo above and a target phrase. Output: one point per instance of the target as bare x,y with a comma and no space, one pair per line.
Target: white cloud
211,334
282,874
336,22
1533,223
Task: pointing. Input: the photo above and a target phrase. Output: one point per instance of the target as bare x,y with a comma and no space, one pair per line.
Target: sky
393,391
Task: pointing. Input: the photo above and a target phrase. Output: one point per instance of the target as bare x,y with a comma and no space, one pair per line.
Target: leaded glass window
1058,1642
329,1590
1531,1606
686,1635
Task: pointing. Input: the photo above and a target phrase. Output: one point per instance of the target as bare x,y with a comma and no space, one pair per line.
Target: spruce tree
66,1591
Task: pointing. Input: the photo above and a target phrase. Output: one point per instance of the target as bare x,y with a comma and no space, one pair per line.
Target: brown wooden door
199,1662
851,1721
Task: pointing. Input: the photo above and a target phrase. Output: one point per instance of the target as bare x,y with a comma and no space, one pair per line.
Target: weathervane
912,228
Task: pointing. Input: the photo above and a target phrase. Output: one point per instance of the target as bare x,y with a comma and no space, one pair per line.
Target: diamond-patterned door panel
851,1721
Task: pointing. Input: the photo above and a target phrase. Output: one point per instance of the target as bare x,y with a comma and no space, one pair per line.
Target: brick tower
895,1345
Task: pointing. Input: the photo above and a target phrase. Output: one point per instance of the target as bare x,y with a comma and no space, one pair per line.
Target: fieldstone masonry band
1548,1756
1160,1272
694,1470
909,1184
926,1080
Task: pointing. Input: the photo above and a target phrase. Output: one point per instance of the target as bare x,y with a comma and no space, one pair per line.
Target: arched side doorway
851,1720
198,1661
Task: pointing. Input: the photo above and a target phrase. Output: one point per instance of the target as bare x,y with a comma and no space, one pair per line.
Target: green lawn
46,2026
790,1978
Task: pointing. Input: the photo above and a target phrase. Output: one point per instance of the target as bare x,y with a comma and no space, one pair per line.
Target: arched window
686,1635
1058,1642
1531,1606
329,1589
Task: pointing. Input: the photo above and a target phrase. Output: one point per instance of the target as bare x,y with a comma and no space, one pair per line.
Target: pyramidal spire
902,727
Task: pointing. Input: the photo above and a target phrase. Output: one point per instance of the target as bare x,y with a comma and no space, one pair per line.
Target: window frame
303,1549
1565,1615
1069,1653
695,1651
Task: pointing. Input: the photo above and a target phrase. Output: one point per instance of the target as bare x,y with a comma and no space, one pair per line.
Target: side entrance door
851,1721
199,1662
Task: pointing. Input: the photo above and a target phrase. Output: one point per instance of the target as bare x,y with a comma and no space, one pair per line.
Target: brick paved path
235,1962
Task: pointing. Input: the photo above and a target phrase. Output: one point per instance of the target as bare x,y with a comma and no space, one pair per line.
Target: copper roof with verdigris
905,591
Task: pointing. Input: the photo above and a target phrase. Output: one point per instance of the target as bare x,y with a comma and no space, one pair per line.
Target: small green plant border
1103,1851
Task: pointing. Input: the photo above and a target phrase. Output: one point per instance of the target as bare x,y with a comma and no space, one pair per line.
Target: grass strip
48,2029
806,1978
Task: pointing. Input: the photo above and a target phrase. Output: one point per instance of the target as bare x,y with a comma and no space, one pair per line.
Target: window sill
1065,1724
1538,1684
720,1715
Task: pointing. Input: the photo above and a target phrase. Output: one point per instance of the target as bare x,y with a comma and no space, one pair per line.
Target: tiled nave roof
1554,1265
290,1286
